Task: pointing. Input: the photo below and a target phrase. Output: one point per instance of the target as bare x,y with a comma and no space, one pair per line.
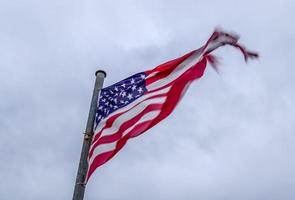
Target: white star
115,107
142,76
123,94
123,85
115,100
132,81
140,90
107,103
121,101
116,89
133,87
129,96
103,100
100,108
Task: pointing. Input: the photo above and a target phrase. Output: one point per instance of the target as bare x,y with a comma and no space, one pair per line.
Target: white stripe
178,71
152,74
102,149
142,98
111,146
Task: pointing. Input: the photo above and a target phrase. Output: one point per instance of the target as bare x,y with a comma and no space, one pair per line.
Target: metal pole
83,164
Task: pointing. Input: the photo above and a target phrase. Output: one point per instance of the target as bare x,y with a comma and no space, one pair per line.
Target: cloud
230,138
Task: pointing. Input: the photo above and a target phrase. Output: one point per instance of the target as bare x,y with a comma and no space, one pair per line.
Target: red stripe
99,160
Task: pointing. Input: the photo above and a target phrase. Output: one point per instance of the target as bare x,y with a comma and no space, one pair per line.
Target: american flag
135,104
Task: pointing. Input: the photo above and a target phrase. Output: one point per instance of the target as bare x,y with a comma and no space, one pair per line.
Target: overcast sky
232,136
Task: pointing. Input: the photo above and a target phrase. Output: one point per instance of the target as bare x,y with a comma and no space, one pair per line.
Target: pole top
101,71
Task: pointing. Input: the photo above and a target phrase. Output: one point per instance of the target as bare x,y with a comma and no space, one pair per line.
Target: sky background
231,137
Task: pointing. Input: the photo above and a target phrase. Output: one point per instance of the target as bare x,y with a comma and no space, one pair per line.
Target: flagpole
83,164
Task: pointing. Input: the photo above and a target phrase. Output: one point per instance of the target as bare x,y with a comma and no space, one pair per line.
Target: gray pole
83,164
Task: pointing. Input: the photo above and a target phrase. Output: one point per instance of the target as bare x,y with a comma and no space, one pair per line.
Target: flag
132,106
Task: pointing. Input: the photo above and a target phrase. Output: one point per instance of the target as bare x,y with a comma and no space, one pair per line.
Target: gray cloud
232,136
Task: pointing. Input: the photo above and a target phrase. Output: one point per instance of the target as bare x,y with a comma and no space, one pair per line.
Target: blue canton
119,95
